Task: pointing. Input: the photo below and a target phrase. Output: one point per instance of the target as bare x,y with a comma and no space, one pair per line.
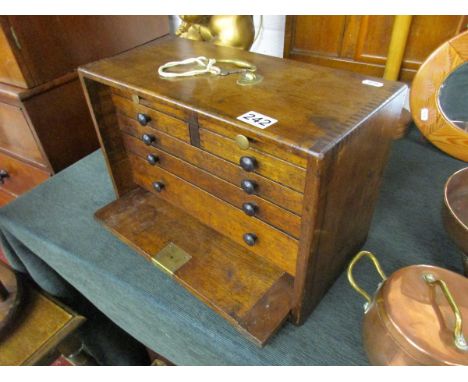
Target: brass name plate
171,258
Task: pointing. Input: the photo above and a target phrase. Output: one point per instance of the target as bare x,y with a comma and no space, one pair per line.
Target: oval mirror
439,97
453,97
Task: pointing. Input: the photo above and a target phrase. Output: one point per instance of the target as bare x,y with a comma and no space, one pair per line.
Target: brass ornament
236,31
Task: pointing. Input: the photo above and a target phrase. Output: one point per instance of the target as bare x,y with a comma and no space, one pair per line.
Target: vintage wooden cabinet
42,130
257,223
361,43
44,121
38,49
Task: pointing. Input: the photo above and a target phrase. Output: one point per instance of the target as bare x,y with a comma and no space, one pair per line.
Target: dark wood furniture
44,122
257,223
38,49
361,43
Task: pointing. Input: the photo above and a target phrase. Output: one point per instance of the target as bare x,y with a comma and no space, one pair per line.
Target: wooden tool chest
256,222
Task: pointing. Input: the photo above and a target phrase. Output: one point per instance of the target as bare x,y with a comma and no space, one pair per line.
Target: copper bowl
455,211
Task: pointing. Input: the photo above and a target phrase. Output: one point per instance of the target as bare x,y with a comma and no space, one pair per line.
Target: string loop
207,66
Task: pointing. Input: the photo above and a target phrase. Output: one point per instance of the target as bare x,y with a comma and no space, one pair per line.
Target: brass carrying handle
353,283
458,337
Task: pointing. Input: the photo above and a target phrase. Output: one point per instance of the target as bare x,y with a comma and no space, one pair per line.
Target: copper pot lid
419,316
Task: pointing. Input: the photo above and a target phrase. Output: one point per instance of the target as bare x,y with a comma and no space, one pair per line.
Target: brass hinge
171,258
18,45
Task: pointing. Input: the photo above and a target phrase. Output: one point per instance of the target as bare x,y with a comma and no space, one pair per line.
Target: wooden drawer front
272,244
282,196
273,168
16,136
265,211
270,148
5,197
159,121
21,176
158,105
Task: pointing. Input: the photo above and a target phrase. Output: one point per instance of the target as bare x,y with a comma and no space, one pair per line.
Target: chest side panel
341,193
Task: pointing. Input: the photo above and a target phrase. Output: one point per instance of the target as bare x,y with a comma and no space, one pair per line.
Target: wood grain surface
424,98
317,174
21,176
236,283
266,211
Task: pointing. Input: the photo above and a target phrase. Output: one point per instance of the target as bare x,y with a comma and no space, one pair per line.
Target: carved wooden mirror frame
424,98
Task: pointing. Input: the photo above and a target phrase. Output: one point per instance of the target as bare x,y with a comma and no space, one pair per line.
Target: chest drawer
258,162
251,205
267,241
19,176
284,197
231,132
152,118
16,136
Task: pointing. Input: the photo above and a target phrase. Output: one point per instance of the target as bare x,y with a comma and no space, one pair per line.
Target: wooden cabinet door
10,71
47,47
360,43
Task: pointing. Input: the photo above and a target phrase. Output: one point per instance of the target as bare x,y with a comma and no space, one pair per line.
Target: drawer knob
250,209
158,186
148,138
248,163
143,119
248,186
3,174
242,141
250,238
152,159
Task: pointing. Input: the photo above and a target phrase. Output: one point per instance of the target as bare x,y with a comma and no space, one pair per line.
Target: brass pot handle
353,283
458,337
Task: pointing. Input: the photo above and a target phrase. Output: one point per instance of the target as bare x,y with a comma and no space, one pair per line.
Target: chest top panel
316,107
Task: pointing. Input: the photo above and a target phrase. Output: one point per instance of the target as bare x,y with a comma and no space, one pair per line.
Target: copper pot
415,316
455,211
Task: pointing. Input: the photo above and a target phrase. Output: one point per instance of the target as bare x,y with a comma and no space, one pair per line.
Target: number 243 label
256,119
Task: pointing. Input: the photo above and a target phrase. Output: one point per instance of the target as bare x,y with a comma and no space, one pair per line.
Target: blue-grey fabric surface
52,227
